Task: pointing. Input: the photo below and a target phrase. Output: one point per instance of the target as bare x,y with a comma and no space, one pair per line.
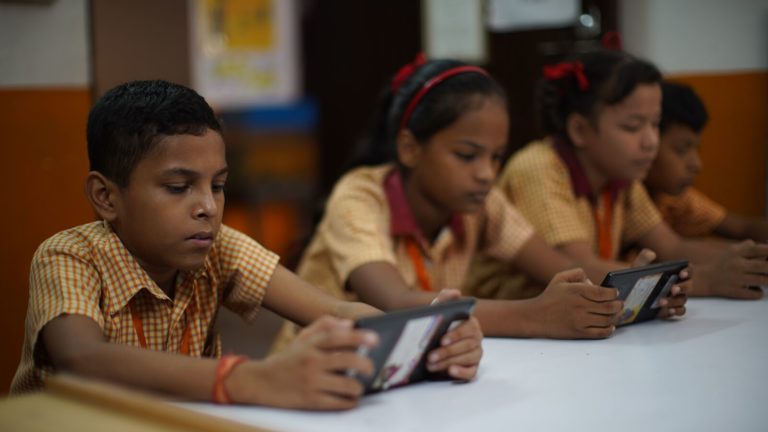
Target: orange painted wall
43,166
733,146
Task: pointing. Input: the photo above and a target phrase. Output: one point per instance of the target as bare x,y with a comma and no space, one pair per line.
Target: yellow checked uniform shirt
87,271
540,185
691,214
367,219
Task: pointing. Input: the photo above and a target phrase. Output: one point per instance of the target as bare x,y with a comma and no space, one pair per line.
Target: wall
44,101
721,49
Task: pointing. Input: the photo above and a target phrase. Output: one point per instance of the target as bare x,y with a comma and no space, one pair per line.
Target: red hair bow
562,70
611,40
406,71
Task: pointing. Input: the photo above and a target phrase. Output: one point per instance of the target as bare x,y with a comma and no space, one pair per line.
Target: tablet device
641,288
405,338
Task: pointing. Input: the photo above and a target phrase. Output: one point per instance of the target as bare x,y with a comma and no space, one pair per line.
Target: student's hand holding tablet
460,348
571,307
651,291
309,373
673,304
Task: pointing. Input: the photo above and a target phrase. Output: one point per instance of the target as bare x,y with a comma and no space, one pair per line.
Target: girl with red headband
581,186
421,204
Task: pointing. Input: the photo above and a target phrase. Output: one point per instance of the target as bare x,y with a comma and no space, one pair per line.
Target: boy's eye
630,128
218,187
682,149
176,188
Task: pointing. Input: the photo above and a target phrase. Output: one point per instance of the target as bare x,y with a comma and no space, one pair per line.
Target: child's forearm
508,318
75,344
355,310
697,251
171,374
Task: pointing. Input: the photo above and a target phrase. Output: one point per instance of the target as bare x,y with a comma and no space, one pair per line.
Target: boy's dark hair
442,105
681,105
129,120
611,76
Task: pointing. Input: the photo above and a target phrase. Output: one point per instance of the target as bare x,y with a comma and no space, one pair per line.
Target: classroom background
295,82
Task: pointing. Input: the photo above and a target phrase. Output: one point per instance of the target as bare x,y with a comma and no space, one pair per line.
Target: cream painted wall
693,36
44,45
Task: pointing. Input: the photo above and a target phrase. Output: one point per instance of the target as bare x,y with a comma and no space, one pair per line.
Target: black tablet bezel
625,281
390,326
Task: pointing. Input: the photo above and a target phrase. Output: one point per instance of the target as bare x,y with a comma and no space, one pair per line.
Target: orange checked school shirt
547,184
367,219
87,271
692,214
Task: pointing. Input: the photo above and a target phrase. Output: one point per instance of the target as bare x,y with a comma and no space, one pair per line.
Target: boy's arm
305,376
295,299
738,227
541,261
75,343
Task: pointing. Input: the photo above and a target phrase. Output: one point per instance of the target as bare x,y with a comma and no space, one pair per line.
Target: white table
706,372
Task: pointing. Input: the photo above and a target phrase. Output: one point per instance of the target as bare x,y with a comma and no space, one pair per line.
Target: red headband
562,70
437,79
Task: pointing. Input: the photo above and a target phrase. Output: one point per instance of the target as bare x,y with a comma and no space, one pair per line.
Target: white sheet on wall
454,29
44,45
512,15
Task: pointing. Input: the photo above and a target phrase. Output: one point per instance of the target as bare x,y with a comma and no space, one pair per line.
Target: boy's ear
408,148
578,127
102,194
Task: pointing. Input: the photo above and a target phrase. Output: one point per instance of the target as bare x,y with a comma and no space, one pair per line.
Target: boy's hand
571,307
741,266
311,372
460,349
674,304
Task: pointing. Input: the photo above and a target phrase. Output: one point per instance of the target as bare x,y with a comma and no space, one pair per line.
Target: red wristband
225,366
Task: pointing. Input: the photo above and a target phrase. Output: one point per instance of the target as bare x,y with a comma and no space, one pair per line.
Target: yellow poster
245,52
243,24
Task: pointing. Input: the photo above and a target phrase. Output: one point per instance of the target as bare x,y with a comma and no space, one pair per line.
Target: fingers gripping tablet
404,339
641,288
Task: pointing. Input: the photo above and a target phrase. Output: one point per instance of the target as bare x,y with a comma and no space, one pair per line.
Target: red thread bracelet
224,368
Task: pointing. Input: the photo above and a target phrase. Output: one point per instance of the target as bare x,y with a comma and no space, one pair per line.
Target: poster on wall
245,53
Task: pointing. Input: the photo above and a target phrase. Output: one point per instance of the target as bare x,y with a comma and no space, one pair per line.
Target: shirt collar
581,186
130,277
402,221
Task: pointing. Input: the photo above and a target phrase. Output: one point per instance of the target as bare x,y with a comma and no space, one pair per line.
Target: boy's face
456,168
171,210
624,141
677,163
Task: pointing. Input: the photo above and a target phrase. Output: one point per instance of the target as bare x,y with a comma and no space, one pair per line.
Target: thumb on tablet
446,295
573,275
644,257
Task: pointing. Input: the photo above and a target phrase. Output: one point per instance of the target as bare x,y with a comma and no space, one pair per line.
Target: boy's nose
694,165
206,207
